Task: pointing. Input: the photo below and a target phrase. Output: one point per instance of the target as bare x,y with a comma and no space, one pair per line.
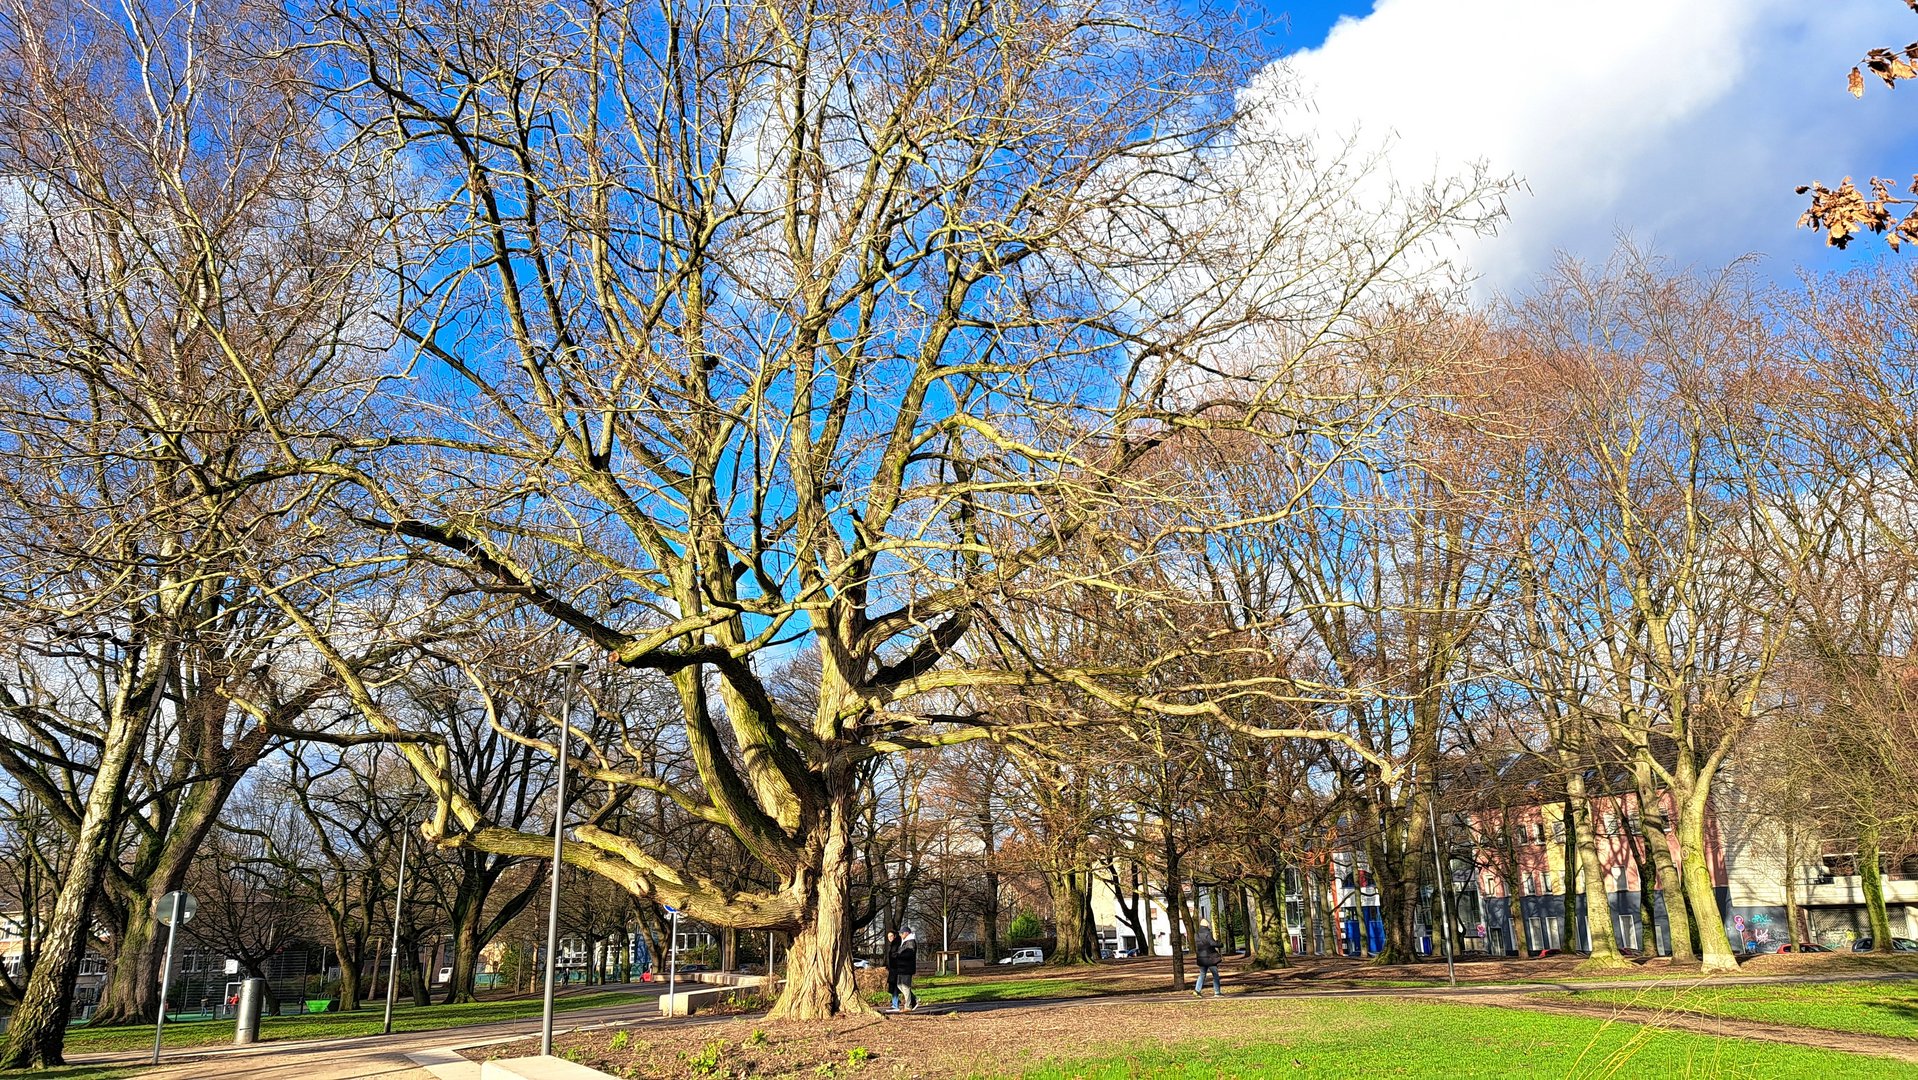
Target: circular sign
182,903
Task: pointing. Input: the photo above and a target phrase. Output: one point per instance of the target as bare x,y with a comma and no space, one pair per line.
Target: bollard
252,996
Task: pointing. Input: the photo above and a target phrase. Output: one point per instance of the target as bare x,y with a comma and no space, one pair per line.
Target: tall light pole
1444,874
559,837
399,902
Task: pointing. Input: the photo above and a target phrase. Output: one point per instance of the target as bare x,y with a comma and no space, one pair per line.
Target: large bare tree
758,324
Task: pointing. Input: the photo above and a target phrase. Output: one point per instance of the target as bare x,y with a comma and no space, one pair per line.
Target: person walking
892,983
1205,949
902,966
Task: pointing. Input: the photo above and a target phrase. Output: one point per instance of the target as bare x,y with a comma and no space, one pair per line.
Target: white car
1025,956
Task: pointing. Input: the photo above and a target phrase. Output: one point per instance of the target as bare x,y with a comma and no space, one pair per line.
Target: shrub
1025,927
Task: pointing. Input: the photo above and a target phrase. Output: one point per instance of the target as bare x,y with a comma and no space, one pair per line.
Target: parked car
1025,956
1803,946
1898,944
860,962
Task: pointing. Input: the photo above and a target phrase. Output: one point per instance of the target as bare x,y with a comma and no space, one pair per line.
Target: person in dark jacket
1205,949
892,949
904,962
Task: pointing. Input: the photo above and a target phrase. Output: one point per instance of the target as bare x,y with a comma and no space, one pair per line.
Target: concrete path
420,1055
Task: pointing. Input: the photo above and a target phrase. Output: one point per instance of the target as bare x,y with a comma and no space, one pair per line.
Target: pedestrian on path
892,982
904,963
1205,949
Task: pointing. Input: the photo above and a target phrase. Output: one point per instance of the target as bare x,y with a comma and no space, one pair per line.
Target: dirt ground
920,1045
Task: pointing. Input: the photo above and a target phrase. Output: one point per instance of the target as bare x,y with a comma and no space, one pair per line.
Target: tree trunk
351,992
1174,910
466,949
1872,881
1071,911
991,916
1598,901
131,992
1647,895
417,977
1268,913
1652,825
1568,938
1715,951
1328,916
36,1033
1793,843
1390,872
819,979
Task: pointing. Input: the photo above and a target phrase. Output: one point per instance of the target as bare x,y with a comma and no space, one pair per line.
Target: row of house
1507,863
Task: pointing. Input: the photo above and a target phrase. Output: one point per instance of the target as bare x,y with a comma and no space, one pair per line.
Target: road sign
182,902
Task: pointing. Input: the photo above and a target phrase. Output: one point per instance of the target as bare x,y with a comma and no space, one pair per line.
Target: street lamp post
399,902
1444,873
559,837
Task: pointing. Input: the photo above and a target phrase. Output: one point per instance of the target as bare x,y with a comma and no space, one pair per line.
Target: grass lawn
1870,1008
82,1040
1414,1039
1127,1038
82,1072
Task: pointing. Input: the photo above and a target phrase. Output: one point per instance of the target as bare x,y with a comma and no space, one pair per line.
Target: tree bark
1715,951
1569,937
1390,871
1174,909
1652,826
819,978
1598,902
36,1033
1268,909
1072,916
1872,881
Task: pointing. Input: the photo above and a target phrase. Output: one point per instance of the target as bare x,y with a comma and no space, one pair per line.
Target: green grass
1869,1008
78,1072
334,1025
1346,1038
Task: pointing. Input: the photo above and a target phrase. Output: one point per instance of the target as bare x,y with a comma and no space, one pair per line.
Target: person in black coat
902,965
892,949
1205,949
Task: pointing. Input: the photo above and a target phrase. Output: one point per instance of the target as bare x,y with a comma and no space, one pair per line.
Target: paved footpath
423,1055
432,1055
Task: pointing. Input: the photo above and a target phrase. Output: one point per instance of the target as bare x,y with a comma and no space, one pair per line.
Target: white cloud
1686,123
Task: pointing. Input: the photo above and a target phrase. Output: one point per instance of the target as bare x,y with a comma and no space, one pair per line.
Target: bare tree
781,323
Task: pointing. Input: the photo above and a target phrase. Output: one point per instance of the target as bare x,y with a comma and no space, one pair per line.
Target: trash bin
252,996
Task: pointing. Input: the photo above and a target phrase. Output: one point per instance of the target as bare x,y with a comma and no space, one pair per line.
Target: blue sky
1684,125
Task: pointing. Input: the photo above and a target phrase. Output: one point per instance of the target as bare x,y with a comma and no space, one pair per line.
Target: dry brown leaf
1857,86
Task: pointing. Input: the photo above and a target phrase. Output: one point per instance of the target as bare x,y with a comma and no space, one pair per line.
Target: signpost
172,909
